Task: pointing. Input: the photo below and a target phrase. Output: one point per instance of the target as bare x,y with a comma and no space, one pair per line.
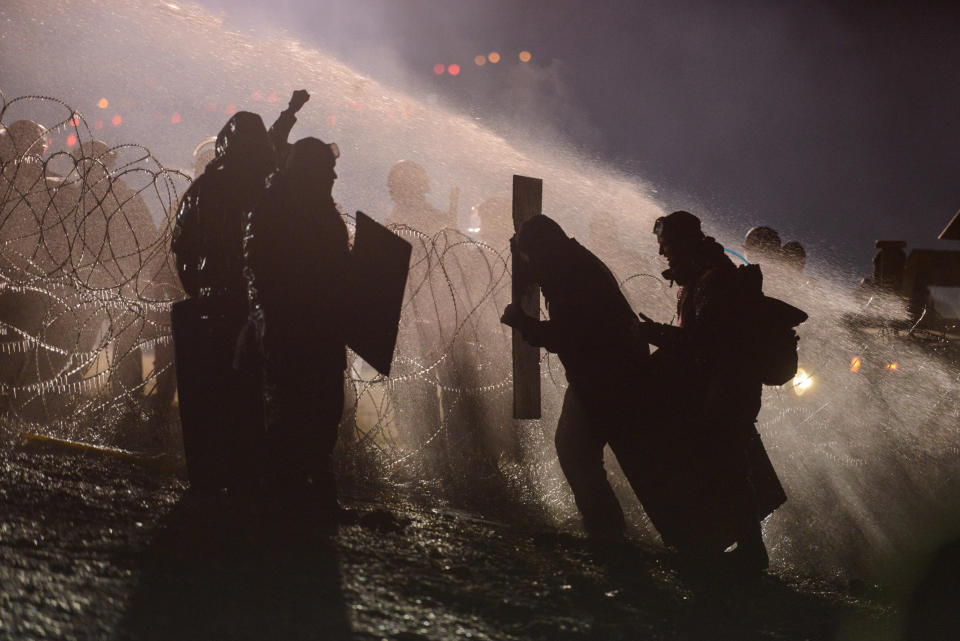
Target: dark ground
96,548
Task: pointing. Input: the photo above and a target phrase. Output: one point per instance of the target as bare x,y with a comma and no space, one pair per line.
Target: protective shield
381,261
221,409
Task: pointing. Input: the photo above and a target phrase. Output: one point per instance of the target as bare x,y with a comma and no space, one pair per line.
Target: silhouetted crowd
264,256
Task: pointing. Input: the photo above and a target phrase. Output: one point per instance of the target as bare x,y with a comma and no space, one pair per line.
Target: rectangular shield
527,203
381,261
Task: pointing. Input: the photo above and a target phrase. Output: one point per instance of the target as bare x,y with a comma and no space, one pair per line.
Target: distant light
480,60
272,97
438,69
525,56
230,109
48,144
103,103
493,57
257,95
855,364
98,125
891,367
116,121
453,70
332,120
71,140
802,382
175,118
75,120
211,106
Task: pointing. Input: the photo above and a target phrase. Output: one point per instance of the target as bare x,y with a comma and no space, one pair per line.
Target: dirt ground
92,547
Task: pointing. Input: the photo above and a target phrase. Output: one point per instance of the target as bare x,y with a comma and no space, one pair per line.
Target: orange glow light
116,121
175,118
480,60
892,367
493,57
71,140
438,69
103,103
855,364
525,56
454,70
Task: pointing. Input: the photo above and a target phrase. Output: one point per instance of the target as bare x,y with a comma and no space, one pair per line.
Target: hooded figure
298,277
220,408
712,398
591,330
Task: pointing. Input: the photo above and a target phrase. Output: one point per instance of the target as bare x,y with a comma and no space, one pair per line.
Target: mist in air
868,458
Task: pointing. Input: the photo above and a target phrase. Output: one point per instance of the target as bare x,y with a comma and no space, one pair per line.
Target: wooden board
527,203
381,262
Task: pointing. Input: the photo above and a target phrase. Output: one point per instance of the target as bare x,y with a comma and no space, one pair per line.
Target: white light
802,382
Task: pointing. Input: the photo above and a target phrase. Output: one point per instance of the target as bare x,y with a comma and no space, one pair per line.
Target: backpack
773,340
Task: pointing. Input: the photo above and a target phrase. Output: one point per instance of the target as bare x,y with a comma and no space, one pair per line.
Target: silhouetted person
712,387
221,407
409,185
35,249
117,245
298,266
590,329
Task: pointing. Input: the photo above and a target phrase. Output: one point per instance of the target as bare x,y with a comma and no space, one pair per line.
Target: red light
98,125
454,70
230,109
116,121
74,121
175,118
71,140
272,97
438,69
211,106
257,95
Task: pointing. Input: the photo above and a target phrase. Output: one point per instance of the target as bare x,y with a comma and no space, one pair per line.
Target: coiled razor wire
87,281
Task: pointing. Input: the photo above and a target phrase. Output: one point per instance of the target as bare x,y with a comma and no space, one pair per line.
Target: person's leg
580,451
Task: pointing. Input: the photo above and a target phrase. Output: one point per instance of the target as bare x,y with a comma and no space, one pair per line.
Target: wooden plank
527,203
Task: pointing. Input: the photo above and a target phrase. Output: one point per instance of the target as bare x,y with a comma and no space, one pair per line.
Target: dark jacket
207,239
298,273
590,327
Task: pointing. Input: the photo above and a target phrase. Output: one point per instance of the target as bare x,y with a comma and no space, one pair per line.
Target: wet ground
92,547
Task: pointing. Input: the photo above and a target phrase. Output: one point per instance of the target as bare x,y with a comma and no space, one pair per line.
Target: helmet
203,154
22,138
762,241
794,253
95,151
408,179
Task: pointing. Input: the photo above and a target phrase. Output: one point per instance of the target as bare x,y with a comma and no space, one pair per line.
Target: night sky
835,123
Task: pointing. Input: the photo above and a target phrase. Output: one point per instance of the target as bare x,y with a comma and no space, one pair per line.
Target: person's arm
280,130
